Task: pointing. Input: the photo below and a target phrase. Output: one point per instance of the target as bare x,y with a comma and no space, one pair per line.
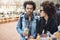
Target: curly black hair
57,5
30,3
49,8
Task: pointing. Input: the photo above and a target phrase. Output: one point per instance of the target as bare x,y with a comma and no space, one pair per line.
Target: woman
47,20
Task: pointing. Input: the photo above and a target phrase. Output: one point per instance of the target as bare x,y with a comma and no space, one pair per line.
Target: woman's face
42,13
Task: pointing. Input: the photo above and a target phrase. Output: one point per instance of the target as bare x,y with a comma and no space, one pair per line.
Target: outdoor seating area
8,18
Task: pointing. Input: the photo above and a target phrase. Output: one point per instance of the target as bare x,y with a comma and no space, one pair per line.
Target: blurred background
9,15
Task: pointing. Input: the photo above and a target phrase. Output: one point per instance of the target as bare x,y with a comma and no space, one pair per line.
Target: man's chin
29,13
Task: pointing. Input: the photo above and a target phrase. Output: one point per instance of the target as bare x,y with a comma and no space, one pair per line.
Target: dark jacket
50,26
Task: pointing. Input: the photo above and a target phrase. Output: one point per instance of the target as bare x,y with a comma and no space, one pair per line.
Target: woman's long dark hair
49,8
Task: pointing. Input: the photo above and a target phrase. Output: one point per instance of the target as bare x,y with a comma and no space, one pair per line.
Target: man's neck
29,16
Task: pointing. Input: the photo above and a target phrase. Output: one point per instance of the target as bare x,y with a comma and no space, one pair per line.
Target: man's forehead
29,5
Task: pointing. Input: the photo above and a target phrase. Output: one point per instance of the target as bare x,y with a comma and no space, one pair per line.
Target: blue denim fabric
33,25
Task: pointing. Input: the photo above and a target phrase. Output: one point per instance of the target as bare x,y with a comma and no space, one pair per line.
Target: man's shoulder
22,14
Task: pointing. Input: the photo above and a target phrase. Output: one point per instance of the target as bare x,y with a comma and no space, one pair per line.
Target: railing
9,19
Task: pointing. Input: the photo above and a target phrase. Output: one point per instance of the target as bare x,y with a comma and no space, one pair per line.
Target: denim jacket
33,24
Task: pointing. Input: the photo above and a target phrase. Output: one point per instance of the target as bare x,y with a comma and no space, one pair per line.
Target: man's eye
27,8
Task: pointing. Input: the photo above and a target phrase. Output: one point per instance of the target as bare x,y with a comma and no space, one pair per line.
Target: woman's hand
38,37
31,38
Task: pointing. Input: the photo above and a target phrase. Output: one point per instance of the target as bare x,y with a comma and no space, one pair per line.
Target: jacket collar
26,17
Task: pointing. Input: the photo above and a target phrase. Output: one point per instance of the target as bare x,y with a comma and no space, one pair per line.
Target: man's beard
29,13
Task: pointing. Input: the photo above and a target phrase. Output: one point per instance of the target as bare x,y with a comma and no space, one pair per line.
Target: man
29,19
58,13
